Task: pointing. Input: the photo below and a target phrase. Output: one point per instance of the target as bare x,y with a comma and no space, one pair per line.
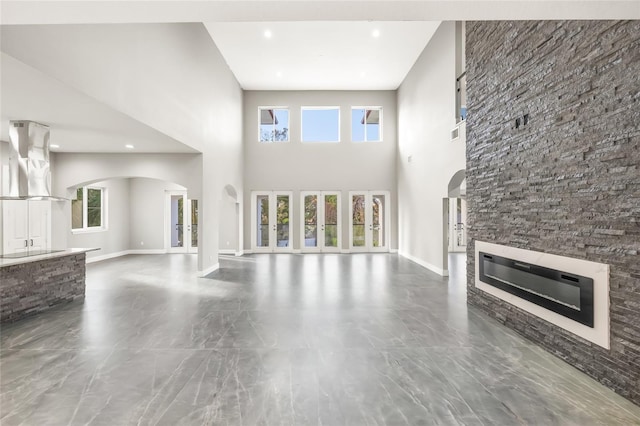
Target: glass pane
311,221
94,217
365,124
77,210
372,121
331,221
180,223
194,223
378,220
357,125
320,125
357,202
263,221
274,125
282,220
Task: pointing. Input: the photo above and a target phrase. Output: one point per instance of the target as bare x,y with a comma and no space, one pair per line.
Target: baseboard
427,265
393,251
209,270
248,252
124,253
107,256
226,251
147,251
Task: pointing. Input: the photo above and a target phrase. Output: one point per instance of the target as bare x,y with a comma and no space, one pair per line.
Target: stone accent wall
33,287
568,181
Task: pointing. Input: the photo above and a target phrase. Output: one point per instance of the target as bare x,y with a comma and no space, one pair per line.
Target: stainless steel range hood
29,170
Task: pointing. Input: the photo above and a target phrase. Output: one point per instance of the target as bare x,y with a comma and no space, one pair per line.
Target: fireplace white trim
599,272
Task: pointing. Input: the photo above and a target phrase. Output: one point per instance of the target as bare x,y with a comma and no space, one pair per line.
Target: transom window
320,124
87,210
366,124
274,124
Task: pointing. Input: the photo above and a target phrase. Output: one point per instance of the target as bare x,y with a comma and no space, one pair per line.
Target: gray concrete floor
366,339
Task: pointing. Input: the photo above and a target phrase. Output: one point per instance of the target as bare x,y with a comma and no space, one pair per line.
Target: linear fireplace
567,294
570,293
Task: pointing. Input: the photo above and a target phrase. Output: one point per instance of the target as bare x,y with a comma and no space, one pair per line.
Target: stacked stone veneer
33,287
567,182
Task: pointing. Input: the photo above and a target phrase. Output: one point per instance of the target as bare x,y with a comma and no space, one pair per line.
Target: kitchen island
34,283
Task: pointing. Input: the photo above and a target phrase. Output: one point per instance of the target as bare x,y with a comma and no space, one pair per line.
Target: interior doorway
181,223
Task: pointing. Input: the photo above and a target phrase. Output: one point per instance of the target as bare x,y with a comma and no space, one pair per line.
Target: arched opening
130,214
230,228
455,221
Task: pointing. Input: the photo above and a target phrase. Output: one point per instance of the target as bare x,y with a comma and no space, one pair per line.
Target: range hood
29,171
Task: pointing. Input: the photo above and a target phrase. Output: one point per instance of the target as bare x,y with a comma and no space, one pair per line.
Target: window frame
260,108
85,211
380,131
319,108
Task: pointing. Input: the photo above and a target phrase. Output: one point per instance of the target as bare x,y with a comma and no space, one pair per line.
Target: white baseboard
147,251
393,251
230,252
427,265
209,270
123,253
107,256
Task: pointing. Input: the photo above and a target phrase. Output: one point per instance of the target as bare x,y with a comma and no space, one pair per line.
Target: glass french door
182,222
369,221
271,218
320,227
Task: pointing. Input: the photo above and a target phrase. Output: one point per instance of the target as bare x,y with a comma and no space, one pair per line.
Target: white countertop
29,259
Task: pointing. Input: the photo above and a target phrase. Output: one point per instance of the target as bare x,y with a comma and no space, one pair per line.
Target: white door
369,221
320,225
181,221
271,219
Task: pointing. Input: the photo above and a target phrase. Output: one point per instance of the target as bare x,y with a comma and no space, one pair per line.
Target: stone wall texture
33,287
568,181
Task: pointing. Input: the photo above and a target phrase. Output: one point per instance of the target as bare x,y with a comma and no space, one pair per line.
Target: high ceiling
321,55
346,44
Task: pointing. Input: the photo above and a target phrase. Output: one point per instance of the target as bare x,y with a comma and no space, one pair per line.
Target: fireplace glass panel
554,290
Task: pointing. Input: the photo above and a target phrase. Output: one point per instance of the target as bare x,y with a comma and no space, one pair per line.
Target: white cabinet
26,225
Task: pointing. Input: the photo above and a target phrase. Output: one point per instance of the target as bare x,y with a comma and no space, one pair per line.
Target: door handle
26,243
31,242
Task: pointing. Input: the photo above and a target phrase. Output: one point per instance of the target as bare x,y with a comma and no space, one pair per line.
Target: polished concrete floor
285,339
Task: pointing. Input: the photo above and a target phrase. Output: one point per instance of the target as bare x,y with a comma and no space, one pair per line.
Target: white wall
426,116
146,213
297,166
170,77
115,238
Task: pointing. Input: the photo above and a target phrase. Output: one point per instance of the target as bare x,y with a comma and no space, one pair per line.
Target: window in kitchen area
88,209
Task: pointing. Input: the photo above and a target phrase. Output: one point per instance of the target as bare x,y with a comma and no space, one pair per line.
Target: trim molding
427,265
231,252
209,270
123,253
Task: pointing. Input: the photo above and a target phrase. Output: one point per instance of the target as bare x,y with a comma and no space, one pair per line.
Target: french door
320,224
271,218
182,223
369,221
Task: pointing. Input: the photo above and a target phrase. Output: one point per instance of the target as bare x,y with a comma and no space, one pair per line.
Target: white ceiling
315,45
321,55
79,123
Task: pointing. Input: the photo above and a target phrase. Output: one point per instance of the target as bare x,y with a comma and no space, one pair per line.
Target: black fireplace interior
565,293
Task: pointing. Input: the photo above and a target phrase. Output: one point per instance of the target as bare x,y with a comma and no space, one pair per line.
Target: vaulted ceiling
75,77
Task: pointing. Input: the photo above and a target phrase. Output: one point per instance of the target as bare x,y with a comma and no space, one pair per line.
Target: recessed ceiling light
375,33
53,145
129,146
279,73
267,34
362,74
